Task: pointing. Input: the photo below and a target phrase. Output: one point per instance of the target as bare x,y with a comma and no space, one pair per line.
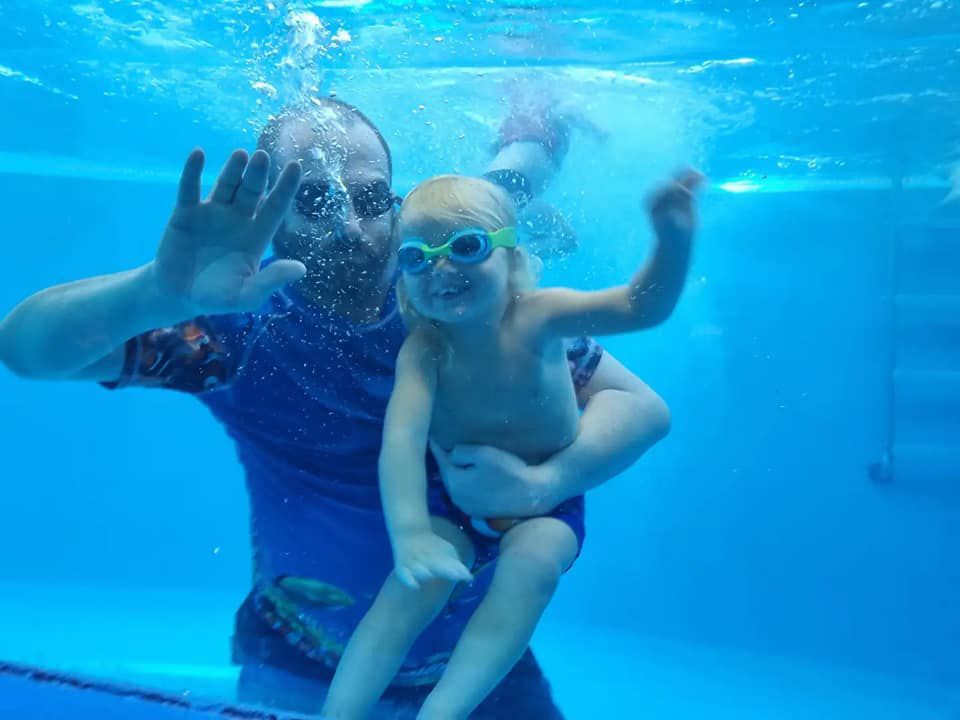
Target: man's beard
348,274
334,265
341,276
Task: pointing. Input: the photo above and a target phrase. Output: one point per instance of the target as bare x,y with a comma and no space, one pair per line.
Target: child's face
451,292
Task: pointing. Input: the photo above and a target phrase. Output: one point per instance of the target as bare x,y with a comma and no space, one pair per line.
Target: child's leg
384,636
533,556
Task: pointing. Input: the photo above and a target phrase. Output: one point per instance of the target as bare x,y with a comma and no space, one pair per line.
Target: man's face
341,224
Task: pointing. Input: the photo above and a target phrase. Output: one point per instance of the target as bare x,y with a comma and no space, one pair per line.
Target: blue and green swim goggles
466,247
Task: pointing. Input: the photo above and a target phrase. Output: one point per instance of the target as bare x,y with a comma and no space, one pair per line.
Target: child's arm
653,292
419,554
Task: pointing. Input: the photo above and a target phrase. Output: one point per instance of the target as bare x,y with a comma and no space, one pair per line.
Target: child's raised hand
672,206
423,556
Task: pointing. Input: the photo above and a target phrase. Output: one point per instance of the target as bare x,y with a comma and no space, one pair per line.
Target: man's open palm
209,257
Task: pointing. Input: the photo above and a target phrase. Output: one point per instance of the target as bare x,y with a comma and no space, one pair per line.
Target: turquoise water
751,566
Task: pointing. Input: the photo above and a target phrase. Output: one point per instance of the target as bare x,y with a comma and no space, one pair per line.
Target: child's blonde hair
470,202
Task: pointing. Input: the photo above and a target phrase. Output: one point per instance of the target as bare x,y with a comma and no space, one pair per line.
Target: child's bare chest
507,397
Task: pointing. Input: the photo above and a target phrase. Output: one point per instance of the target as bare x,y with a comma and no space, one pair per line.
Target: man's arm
622,419
77,331
207,263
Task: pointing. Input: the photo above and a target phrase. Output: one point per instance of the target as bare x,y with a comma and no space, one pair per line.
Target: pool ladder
923,435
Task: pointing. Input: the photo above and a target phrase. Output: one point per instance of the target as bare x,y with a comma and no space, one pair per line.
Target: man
296,358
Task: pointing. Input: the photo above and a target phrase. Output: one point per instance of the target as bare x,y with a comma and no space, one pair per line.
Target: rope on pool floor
39,675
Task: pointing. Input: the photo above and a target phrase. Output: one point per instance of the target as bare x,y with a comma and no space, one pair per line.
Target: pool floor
179,643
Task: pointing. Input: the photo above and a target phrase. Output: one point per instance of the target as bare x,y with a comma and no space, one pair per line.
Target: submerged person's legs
381,642
270,687
534,555
276,689
523,693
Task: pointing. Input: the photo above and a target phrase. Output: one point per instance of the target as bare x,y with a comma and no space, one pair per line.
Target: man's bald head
323,128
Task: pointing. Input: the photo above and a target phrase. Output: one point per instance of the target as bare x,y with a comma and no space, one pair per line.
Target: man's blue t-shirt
303,394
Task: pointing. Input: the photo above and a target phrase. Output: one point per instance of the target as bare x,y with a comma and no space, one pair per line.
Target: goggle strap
504,237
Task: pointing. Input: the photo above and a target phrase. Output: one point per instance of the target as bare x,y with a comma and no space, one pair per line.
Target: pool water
788,552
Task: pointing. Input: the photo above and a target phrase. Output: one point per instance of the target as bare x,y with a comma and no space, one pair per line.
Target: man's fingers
420,572
278,201
465,455
273,277
231,175
438,452
472,455
280,272
188,193
253,184
406,577
440,455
